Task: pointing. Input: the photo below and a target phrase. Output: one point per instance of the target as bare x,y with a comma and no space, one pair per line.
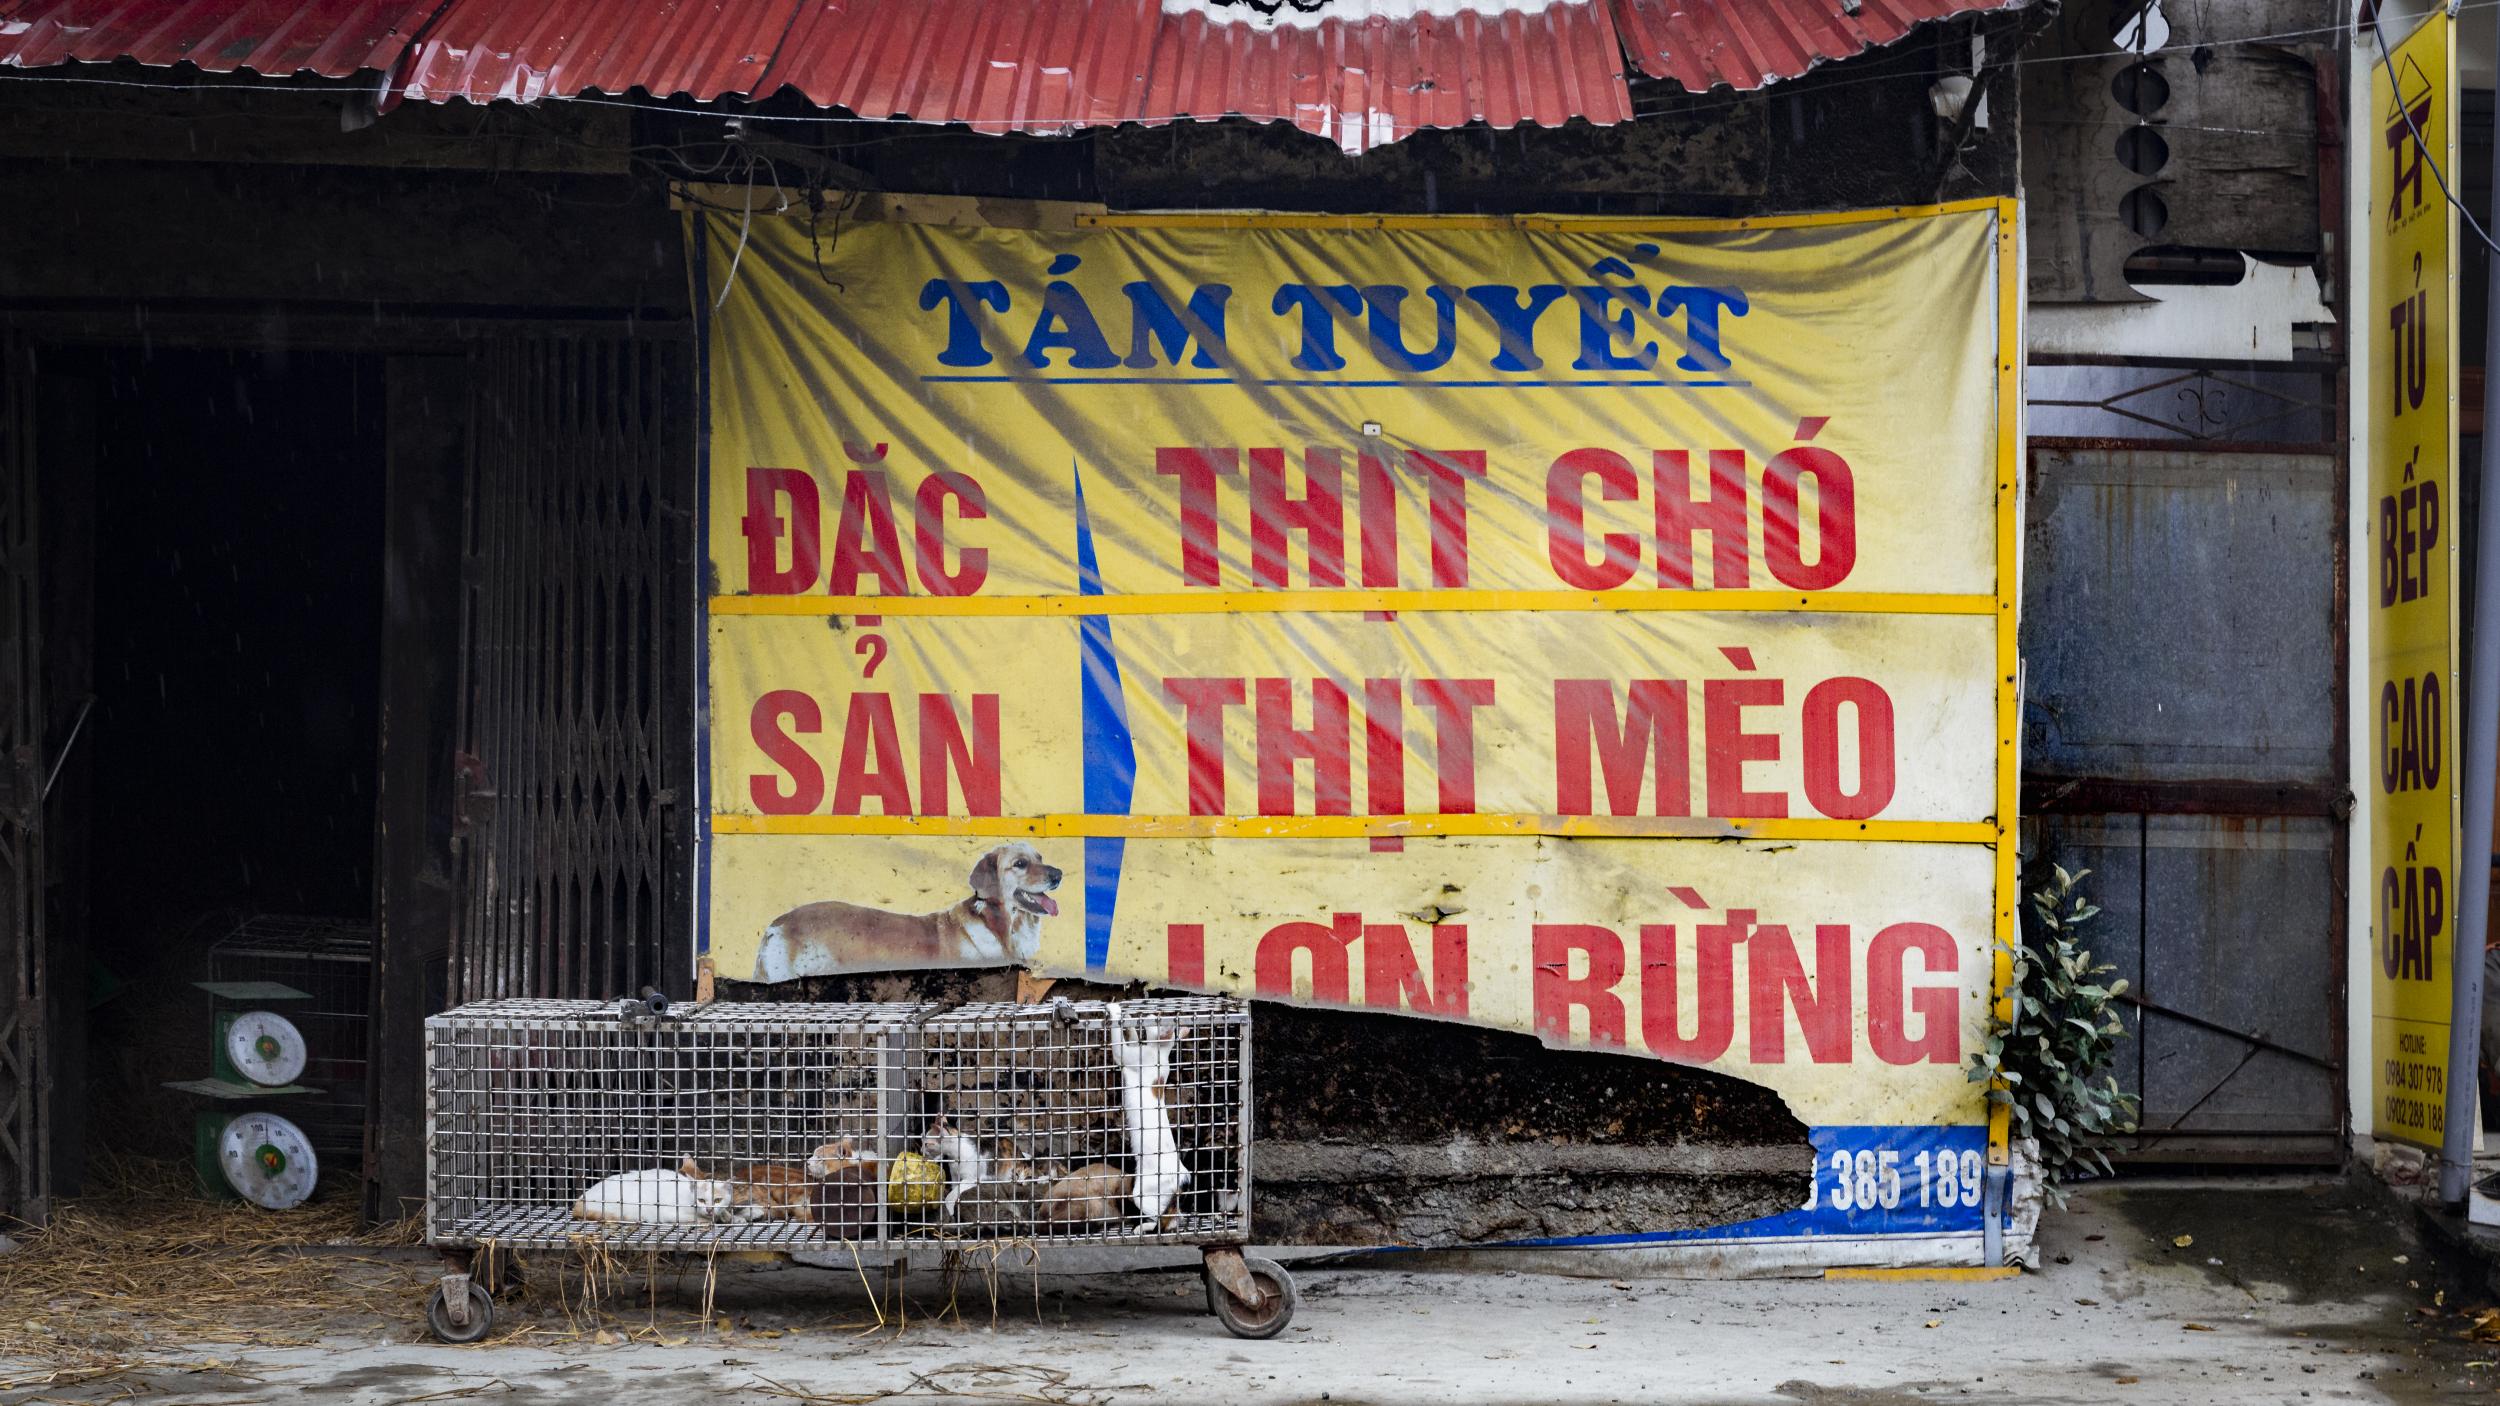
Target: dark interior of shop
232,599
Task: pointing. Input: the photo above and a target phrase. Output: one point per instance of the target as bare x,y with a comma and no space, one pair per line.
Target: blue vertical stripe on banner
1110,754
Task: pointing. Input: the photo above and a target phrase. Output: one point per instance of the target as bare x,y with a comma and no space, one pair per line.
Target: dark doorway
231,642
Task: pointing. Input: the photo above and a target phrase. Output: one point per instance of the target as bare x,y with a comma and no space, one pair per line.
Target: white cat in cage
1144,1051
657,1196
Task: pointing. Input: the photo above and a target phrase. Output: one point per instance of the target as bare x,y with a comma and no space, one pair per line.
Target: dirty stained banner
1597,629
2413,634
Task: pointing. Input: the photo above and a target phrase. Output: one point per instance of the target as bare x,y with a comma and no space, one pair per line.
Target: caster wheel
1270,1317
481,1315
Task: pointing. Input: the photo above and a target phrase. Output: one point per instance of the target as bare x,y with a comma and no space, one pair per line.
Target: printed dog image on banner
1000,923
1601,629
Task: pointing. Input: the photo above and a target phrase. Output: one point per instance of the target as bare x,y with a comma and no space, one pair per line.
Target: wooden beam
302,125
425,410
356,242
978,211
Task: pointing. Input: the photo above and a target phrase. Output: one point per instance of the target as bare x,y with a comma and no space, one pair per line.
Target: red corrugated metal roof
333,38
1360,72
524,50
1703,44
1355,76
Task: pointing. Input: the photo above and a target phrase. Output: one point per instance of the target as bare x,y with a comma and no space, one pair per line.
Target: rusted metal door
579,623
2183,644
25,1085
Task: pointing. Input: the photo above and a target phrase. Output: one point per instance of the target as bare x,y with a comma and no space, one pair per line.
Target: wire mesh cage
330,960
786,1126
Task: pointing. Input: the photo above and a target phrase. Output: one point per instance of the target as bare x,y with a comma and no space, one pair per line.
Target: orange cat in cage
764,1191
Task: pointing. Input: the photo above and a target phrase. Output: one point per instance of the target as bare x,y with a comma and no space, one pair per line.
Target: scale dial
266,1048
268,1161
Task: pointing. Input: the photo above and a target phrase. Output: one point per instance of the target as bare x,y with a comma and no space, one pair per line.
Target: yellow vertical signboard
2412,601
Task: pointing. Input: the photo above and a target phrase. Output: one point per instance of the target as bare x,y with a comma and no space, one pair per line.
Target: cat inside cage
1133,1126
781,1125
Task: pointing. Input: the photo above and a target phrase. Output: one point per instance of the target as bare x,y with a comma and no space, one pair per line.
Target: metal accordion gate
579,631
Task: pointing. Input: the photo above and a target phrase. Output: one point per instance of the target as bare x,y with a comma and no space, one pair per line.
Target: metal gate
25,1087
578,631
2183,643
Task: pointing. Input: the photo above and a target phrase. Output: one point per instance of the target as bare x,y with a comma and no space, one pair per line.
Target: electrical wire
1731,100
2043,60
1011,125
746,222
815,246
2033,120
733,151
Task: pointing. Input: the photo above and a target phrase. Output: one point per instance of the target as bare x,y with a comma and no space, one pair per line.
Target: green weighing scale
252,1154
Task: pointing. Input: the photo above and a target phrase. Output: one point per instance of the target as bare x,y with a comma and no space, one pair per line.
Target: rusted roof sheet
333,38
1703,44
1359,72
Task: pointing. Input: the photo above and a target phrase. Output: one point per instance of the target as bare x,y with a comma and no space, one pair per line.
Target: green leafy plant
2050,1066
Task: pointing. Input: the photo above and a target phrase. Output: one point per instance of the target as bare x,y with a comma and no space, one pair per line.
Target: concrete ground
2267,1290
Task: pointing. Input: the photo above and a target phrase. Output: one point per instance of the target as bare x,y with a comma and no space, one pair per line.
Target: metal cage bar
330,960
788,1126
576,663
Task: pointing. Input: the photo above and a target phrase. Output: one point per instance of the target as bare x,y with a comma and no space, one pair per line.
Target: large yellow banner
2411,321
1598,629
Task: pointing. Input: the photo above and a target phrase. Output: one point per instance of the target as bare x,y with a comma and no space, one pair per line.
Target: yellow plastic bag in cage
915,1183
